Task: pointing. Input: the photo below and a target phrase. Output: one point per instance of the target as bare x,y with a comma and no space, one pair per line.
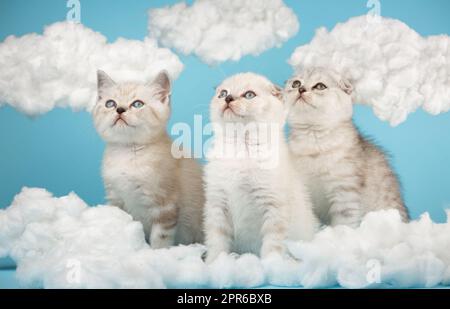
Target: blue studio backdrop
60,151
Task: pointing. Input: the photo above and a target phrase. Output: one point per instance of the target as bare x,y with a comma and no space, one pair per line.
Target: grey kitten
347,175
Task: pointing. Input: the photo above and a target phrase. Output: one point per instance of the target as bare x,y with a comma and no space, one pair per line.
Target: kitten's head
245,98
132,113
318,97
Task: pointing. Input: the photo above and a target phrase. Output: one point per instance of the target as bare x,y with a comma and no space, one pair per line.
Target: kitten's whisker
313,106
302,100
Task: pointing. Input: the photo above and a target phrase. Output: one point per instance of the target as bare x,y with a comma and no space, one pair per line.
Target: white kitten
253,201
347,175
139,172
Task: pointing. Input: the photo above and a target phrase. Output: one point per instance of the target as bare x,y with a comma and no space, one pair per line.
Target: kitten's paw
268,251
159,246
210,259
211,256
234,255
353,223
161,238
286,258
161,243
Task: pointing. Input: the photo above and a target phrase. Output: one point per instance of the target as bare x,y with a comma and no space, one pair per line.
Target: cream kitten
252,206
347,175
140,175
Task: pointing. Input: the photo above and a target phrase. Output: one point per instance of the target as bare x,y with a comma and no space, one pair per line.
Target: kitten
140,174
252,206
348,176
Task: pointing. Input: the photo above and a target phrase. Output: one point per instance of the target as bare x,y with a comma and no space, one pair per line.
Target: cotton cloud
392,67
414,255
63,243
58,68
221,30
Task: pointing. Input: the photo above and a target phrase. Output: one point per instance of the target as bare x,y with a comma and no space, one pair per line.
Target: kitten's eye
223,94
320,86
296,84
137,104
249,95
110,104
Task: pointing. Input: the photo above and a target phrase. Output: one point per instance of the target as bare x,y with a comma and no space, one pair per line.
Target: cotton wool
59,67
222,30
64,243
393,68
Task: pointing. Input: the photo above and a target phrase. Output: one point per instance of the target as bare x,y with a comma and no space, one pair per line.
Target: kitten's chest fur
245,179
125,166
243,182
319,155
132,174
322,155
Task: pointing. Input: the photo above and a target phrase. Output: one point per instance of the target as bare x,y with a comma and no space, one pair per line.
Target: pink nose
301,90
120,110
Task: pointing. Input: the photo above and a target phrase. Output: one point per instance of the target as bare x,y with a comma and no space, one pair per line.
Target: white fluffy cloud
221,30
58,68
393,68
414,254
63,243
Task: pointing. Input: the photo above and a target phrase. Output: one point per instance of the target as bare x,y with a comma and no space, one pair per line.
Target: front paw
210,256
161,242
162,238
272,250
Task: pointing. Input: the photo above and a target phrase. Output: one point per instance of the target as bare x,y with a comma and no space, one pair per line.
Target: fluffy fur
347,175
140,174
253,202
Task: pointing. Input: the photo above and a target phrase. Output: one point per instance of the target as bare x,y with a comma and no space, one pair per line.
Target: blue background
60,151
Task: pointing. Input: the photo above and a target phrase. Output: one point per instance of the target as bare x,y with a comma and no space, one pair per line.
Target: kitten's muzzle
229,99
121,110
301,90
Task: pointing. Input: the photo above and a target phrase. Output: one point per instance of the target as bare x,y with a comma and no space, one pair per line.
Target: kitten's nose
121,110
302,90
229,99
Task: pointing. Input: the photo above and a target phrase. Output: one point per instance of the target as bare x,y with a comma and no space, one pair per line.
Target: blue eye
223,94
296,84
137,104
320,86
249,95
110,104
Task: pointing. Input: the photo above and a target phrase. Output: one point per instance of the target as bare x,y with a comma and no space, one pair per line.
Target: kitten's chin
120,122
137,135
304,104
230,115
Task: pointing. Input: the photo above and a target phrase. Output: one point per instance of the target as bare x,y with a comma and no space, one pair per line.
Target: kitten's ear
163,86
277,92
104,81
346,86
